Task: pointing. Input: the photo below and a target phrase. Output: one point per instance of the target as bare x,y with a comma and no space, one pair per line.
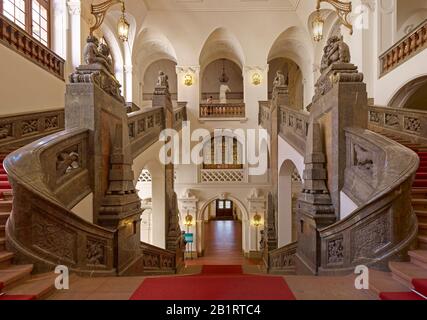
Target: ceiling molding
240,6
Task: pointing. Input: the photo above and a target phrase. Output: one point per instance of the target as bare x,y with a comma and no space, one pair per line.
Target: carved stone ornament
98,69
363,159
336,67
95,253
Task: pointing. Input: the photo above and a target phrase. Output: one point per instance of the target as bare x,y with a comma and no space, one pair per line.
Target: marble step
419,204
40,286
2,244
422,216
6,206
419,258
380,282
5,259
422,242
422,229
14,275
419,193
2,231
3,218
405,272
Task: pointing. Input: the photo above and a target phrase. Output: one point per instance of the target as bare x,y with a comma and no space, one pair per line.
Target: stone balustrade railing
180,115
379,175
156,260
405,49
222,111
145,126
21,42
49,177
282,260
293,127
220,176
408,122
20,129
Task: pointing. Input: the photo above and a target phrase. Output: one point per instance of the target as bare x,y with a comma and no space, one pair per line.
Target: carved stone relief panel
150,122
363,160
151,260
374,117
131,130
95,252
291,121
141,126
392,120
369,239
412,124
30,126
51,123
68,161
53,238
336,251
6,131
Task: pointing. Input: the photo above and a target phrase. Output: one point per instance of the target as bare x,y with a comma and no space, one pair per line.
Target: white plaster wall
150,160
26,87
84,209
347,205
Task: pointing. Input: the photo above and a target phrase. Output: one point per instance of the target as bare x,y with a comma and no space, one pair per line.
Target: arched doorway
145,192
412,95
223,238
290,185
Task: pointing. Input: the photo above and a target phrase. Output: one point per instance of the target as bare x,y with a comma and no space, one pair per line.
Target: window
30,15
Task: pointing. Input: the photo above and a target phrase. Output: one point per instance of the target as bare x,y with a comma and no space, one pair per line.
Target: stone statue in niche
223,90
279,80
162,80
363,158
67,162
336,51
93,53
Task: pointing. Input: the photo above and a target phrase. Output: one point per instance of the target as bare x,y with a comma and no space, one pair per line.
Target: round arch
408,95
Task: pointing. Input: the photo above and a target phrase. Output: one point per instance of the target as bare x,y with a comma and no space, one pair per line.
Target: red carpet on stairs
215,283
400,296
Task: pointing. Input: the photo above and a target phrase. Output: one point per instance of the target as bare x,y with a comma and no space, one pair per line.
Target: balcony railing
410,45
223,176
20,41
222,110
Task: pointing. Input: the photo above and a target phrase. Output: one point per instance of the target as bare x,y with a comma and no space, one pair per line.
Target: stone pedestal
315,209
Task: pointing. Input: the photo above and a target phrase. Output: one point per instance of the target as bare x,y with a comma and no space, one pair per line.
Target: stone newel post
162,99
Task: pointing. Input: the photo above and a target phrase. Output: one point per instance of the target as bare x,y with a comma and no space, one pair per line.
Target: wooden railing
282,260
20,129
21,42
379,175
405,49
222,110
407,122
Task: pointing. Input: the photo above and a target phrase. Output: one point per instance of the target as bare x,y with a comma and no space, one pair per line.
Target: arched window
31,15
223,153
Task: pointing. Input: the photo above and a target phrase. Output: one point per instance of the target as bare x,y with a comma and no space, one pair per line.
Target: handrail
49,177
410,45
294,127
409,122
282,260
385,226
146,124
23,43
21,128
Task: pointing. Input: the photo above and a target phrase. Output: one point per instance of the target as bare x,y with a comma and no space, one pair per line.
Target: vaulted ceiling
223,5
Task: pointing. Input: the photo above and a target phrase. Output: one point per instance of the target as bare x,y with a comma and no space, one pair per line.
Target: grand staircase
413,274
16,282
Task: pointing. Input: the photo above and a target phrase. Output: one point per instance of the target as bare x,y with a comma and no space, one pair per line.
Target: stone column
74,47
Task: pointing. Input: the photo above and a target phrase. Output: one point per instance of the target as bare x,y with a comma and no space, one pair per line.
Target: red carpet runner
215,283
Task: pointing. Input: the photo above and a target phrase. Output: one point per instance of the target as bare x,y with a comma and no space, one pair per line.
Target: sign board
189,238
